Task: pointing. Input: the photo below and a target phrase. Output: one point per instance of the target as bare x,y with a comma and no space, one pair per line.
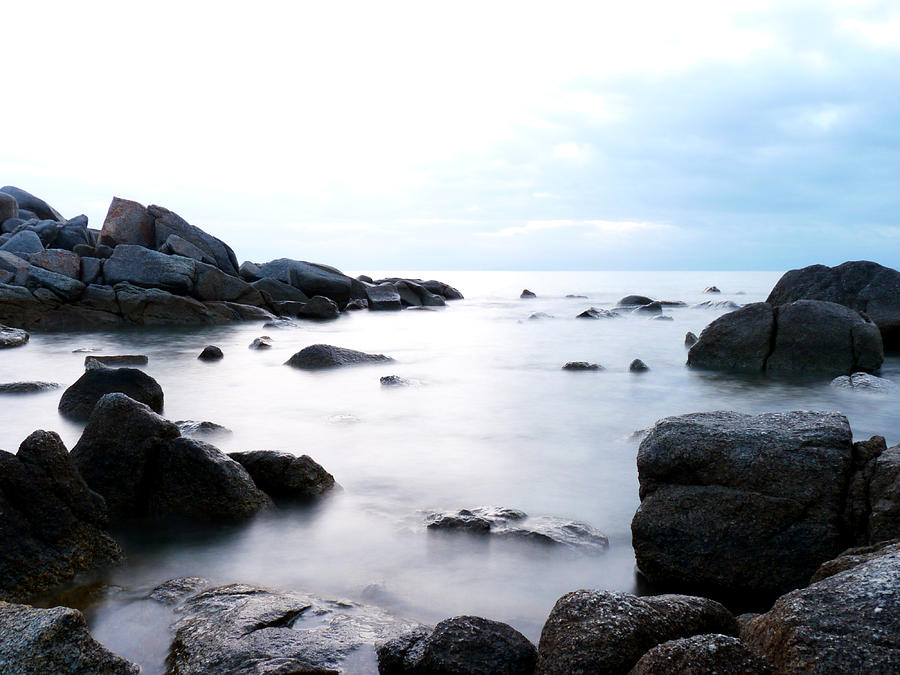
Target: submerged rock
534,316
53,641
582,365
650,308
12,337
211,353
79,400
320,356
27,387
285,477
608,632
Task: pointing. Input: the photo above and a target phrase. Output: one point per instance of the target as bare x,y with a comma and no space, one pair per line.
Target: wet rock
280,322
608,632
118,360
461,521
173,591
582,365
845,623
12,337
285,477
194,428
383,297
863,382
701,654
150,269
319,356
168,223
413,294
650,308
128,222
319,307
53,525
279,291
634,301
526,294
690,339
79,400
23,244
718,305
311,278
741,505
57,260
243,629
711,289
27,387
594,313
638,366
394,381
28,202
175,245
53,641
211,353
262,342
463,644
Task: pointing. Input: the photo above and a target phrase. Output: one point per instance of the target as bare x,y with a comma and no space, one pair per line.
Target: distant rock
118,360
262,342
311,278
79,400
526,295
285,477
650,308
712,653
394,381
12,337
718,305
168,223
27,387
690,339
320,356
582,365
638,366
573,296
194,428
536,316
211,353
863,382
711,289
594,313
634,301
660,317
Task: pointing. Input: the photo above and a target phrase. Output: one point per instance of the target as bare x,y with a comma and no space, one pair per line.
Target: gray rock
608,632
9,207
884,497
62,287
246,630
53,641
383,297
863,382
156,307
53,525
357,304
194,428
118,360
151,269
249,271
72,234
711,289
582,365
394,381
634,301
128,222
711,654
467,645
527,295
638,366
91,271
537,316
211,353
23,244
98,297
57,260
851,558
444,290
12,337
169,223
574,296
173,591
79,400
845,623
319,356
415,294
263,342
718,305
175,245
594,313
740,341
279,291
318,307
27,387
741,505
29,202
211,283
660,317
311,278
18,267
649,308
285,477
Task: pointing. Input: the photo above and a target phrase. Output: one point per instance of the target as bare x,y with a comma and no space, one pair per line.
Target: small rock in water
862,382
711,289
26,387
661,318
211,353
718,304
84,350
539,315
580,297
527,294
174,591
594,313
582,365
650,308
638,366
394,381
690,339
116,361
12,337
194,428
262,342
319,356
634,301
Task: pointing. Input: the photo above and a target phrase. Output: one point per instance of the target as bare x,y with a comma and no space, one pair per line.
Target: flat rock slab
27,387
319,356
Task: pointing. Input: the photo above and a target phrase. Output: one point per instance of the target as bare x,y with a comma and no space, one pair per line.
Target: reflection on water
491,419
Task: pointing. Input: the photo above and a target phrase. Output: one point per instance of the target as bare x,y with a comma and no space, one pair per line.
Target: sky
472,135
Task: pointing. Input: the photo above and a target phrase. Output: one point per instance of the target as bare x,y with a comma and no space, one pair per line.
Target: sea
489,418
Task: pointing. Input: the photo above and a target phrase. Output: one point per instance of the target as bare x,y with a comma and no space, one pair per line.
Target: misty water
490,419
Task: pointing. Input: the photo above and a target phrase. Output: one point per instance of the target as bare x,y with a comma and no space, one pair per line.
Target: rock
12,337
73,234
280,322
156,307
211,353
357,304
884,496
711,289
285,477
736,505
249,271
173,591
440,288
660,317
175,245
53,525
235,311
262,342
536,316
103,251
461,521
194,428
128,222
53,641
119,360
718,305
594,313
319,307
79,400
861,285
526,294
414,294
279,291
100,297
853,557
707,654
638,366
862,382
311,278
383,297
634,301
211,283
197,481
91,271
18,267
319,356
9,208
650,308
690,339
169,223
29,202
27,387
248,629
150,269
23,244
608,632
574,296
740,341
463,644
394,381
582,365
62,287
845,623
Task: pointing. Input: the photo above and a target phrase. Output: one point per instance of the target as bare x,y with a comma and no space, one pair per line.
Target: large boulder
464,644
78,400
807,337
211,283
285,477
415,294
711,654
23,244
57,260
248,629
151,269
843,623
311,278
73,233
52,526
62,287
279,291
608,632
319,356
53,640
444,290
168,223
128,222
28,202
860,285
741,505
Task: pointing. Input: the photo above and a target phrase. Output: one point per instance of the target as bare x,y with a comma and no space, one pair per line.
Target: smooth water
491,420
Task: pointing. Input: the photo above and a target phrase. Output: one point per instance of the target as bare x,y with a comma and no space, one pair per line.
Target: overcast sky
484,135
